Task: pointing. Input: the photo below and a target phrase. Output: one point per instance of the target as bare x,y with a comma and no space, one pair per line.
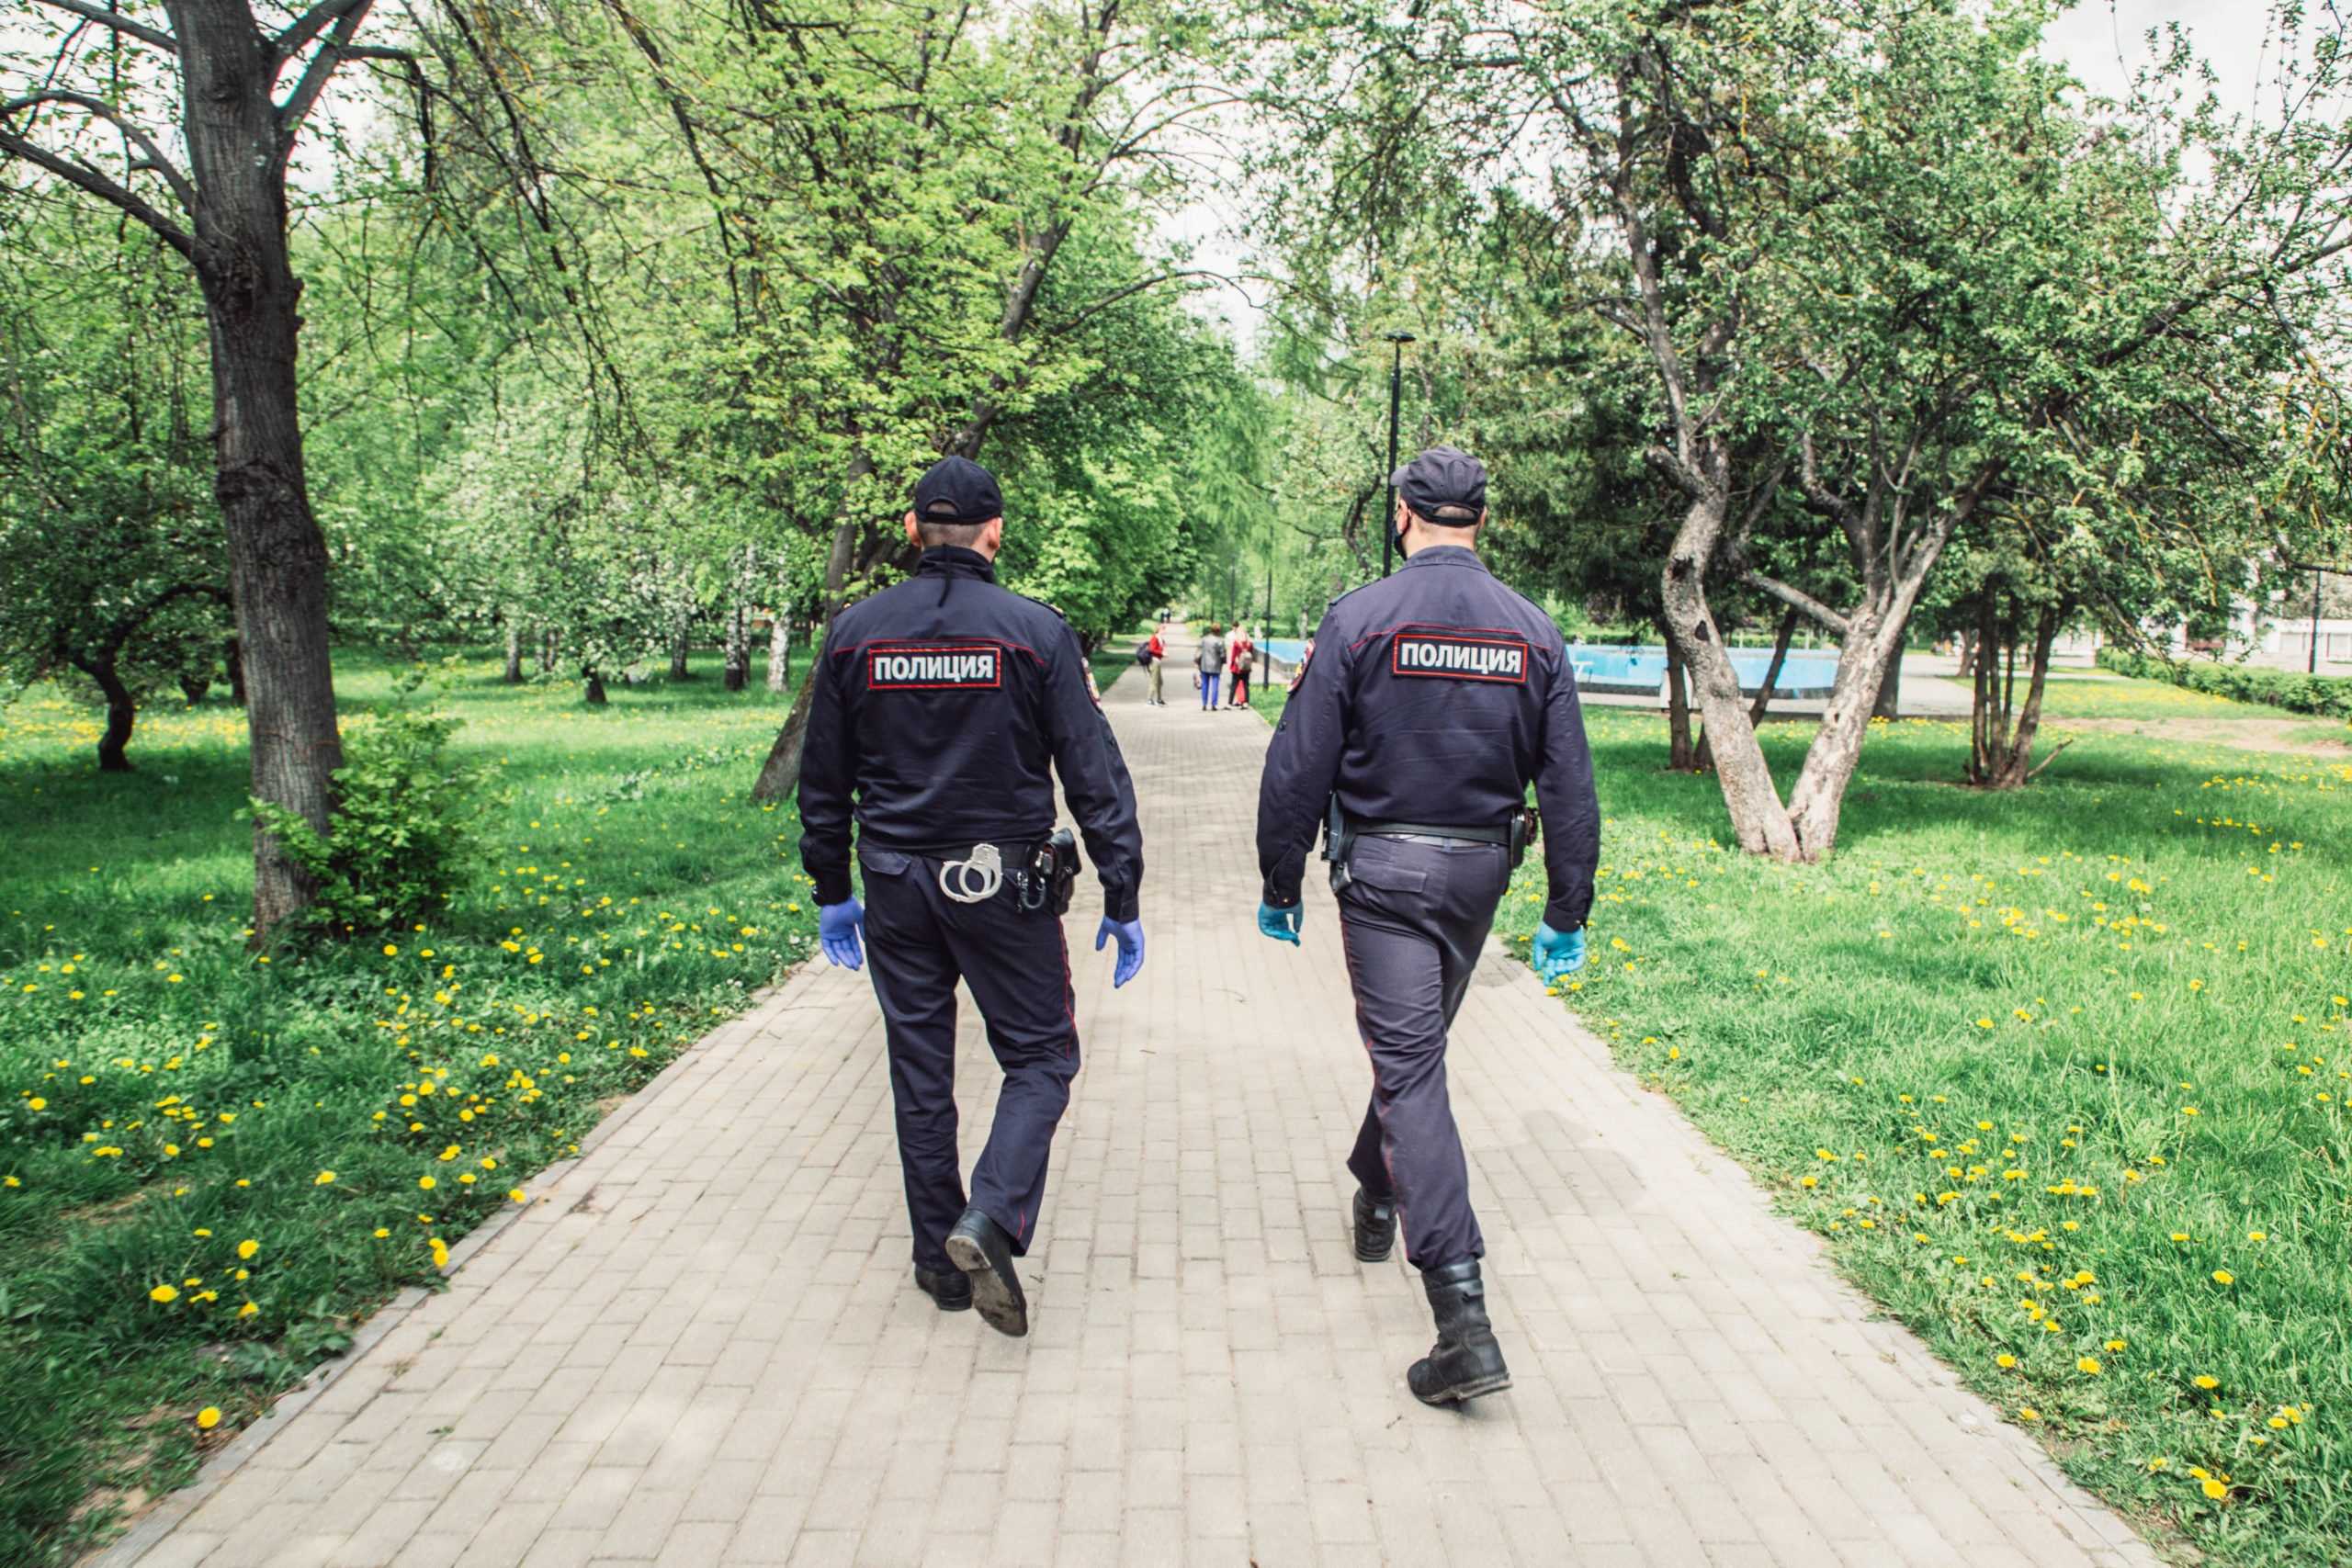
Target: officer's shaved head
939,524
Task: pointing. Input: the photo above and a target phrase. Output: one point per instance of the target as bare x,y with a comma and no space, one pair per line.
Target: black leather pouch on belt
1526,827
1047,884
1338,843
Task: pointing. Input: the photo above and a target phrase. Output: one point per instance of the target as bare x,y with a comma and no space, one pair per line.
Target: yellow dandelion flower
208,1417
2087,1364
162,1293
247,1249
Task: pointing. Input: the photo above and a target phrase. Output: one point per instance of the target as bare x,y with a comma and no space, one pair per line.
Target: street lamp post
2319,579
1395,391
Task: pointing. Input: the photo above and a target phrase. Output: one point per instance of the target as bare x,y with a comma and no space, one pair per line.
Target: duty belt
1340,831
1498,834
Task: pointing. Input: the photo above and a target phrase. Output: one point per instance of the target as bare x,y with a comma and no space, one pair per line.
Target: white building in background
2288,644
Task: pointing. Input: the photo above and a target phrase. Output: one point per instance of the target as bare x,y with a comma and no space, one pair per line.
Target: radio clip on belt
1046,883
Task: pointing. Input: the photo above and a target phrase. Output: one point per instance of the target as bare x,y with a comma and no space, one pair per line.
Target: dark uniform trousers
919,941
1413,920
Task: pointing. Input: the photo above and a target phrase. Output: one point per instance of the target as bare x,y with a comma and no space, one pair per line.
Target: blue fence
1632,670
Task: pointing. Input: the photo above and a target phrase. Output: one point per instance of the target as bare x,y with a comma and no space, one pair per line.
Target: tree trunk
277,557
547,649
780,774
193,688
122,714
1772,670
738,673
678,640
1679,756
1967,641
779,651
512,674
595,693
1872,636
2001,757
233,657
1890,688
1757,818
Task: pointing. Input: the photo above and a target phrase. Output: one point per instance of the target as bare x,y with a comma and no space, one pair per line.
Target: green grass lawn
2089,696
2060,1077
213,1159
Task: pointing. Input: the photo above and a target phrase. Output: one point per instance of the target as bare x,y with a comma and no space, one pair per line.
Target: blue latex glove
1282,924
1555,954
839,926
1129,937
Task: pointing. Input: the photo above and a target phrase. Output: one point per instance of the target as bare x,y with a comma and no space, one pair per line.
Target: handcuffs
1044,886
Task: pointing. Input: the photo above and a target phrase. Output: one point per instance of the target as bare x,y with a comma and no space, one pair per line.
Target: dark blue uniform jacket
1434,696
941,705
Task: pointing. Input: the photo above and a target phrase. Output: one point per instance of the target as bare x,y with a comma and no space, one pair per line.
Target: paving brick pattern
702,1345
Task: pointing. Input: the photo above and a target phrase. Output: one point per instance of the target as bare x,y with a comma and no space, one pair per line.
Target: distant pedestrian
1242,654
1158,648
1209,660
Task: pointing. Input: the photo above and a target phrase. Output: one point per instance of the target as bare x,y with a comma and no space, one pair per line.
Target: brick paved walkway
702,1345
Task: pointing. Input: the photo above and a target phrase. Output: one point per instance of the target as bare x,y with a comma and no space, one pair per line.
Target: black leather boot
1376,1226
980,1248
1465,1361
952,1291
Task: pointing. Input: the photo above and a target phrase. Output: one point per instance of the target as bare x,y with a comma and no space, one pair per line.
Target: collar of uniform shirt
954,561
1445,555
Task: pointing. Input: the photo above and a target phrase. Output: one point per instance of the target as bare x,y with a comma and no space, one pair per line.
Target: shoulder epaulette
1041,604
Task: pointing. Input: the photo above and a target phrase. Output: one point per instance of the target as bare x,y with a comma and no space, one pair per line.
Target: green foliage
112,564
2128,988
403,839
2330,696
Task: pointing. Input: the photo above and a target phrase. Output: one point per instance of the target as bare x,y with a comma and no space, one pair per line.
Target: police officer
941,705
1434,697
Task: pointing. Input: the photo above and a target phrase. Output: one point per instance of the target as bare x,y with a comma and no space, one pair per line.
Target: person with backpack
1150,653
1242,655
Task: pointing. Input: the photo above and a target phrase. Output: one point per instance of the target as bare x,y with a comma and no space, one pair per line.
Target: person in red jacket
1158,648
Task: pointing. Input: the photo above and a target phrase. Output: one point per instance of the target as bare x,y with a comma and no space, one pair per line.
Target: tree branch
1797,599
311,23
1071,323
1670,466
119,23
297,107
105,189
150,155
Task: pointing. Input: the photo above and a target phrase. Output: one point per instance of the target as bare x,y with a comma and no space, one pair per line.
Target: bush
402,839
2329,697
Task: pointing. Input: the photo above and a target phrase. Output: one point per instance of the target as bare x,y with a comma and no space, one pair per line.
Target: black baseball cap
958,490
1443,484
